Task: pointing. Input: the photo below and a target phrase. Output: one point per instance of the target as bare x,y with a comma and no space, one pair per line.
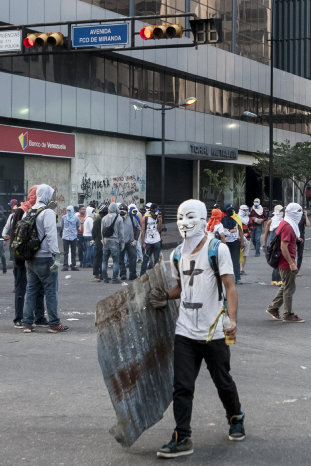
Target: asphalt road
55,409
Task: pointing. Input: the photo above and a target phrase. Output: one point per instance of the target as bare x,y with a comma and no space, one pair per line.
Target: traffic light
206,31
163,31
42,39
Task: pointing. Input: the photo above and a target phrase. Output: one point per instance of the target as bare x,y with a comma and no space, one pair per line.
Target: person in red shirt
289,232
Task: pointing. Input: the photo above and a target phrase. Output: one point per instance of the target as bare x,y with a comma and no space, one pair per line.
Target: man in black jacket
97,237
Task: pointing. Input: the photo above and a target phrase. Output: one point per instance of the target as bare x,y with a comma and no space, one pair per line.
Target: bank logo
23,140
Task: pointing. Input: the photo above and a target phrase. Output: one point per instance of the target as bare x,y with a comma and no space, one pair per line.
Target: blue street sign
100,35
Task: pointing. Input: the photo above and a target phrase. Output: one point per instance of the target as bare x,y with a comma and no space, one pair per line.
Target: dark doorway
255,185
11,182
178,183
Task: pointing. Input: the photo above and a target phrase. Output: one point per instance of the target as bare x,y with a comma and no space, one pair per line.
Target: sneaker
274,314
64,269
42,323
115,281
4,271
293,318
236,431
29,329
75,269
18,324
139,261
95,279
123,277
176,447
274,283
279,283
106,280
59,328
242,272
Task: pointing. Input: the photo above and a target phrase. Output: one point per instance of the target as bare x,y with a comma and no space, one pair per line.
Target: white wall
113,168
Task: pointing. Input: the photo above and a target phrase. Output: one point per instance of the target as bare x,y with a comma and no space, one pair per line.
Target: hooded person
288,232
87,237
269,235
234,237
151,236
199,330
70,225
258,216
246,228
138,215
215,227
42,269
97,237
113,242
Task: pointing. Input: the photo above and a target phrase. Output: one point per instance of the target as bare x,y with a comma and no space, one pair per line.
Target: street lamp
138,105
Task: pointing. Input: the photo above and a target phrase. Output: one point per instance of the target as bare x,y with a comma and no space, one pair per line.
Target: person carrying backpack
270,234
288,231
19,268
113,242
199,330
131,233
42,268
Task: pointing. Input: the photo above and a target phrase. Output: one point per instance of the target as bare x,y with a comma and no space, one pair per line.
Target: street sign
10,40
101,35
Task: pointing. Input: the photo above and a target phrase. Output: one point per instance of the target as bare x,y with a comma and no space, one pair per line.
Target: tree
289,163
218,182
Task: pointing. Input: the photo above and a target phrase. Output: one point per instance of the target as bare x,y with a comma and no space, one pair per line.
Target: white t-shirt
88,226
199,305
217,228
152,234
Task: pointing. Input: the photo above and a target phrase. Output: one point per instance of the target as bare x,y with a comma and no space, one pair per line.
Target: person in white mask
289,232
270,233
198,314
258,216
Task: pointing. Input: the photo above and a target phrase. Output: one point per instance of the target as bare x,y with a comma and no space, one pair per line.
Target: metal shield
135,352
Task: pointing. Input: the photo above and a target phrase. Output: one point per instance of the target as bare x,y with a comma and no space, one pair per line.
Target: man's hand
293,268
134,243
56,264
300,240
233,330
158,298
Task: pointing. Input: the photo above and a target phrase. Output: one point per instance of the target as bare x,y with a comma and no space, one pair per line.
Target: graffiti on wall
123,188
61,205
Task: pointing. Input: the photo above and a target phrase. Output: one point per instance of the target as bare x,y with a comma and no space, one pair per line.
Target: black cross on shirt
192,272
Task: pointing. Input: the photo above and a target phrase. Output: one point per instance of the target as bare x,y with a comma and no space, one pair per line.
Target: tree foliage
218,182
289,163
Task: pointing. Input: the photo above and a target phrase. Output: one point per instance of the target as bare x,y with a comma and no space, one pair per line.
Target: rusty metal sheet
135,353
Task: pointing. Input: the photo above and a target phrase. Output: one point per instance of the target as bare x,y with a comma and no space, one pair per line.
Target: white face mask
189,221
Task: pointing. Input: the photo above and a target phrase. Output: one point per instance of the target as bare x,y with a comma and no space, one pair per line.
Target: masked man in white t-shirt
199,308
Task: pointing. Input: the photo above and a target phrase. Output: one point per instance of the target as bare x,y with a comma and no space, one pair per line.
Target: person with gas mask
199,330
131,233
289,232
42,270
270,234
258,216
113,242
245,221
234,238
151,236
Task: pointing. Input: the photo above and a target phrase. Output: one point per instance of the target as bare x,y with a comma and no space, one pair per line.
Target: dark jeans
20,282
111,247
89,252
38,275
188,356
300,247
256,235
234,249
132,257
150,249
81,248
2,255
276,277
73,248
98,259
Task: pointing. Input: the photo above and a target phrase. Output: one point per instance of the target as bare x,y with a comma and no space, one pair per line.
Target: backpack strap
213,260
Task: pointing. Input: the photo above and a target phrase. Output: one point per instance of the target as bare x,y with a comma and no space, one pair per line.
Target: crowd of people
206,288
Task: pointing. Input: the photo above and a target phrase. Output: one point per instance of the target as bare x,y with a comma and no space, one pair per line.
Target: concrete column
196,179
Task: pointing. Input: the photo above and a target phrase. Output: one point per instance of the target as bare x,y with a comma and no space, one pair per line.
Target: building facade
117,149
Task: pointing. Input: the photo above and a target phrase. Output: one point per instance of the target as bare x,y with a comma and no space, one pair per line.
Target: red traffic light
43,39
163,31
29,41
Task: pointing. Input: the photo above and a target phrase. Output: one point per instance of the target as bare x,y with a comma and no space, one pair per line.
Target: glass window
200,95
123,79
110,76
190,92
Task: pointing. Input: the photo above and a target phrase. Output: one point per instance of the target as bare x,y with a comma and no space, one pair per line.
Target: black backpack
108,231
273,252
26,243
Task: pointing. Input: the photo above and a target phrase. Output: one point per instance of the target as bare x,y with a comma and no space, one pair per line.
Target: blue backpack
212,258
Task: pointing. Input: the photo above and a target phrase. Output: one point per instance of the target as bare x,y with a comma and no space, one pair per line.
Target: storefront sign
214,152
36,142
